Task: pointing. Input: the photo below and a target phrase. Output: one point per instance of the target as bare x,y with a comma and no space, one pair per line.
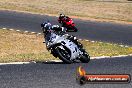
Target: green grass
105,49
19,46
113,10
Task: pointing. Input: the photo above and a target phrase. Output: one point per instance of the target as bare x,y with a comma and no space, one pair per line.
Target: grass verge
113,10
19,46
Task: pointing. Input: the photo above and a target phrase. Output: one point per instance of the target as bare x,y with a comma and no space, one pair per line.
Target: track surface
100,31
59,75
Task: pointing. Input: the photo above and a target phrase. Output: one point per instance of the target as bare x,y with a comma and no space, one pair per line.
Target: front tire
85,58
75,29
64,54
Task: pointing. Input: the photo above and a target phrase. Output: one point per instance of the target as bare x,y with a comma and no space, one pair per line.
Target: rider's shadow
52,62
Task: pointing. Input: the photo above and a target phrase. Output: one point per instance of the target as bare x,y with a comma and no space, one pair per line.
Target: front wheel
85,58
75,29
64,54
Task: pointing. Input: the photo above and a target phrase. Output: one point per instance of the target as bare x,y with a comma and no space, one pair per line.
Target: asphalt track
98,31
59,75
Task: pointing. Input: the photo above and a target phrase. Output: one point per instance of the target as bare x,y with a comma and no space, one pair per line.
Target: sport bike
60,45
69,24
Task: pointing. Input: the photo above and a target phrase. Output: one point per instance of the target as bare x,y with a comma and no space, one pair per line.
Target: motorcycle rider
62,17
63,20
63,30
60,30
57,28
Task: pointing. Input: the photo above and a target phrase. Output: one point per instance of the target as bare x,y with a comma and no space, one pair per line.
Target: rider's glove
63,29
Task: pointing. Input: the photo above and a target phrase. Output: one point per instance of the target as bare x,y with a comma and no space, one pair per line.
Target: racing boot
75,40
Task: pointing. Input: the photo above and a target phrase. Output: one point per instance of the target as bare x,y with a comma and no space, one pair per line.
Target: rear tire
64,55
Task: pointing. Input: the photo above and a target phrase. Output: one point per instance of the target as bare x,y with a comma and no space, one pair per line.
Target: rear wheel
64,54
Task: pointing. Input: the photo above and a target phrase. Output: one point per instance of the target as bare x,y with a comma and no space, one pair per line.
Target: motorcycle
68,23
62,46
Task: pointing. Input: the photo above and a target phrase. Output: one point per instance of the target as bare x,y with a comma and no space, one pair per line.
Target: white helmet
62,15
47,25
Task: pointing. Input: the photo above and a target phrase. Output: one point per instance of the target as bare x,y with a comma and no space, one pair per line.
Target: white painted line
87,40
25,31
33,62
17,30
33,32
119,56
92,41
39,33
54,61
13,63
11,29
101,57
4,28
126,46
121,45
